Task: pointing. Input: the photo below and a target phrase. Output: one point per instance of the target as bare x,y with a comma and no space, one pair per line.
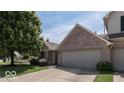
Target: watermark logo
10,74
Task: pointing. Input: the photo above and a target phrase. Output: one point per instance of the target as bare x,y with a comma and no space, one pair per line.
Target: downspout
59,56
104,25
104,28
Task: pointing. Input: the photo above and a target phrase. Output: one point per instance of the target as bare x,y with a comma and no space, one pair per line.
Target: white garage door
84,59
118,59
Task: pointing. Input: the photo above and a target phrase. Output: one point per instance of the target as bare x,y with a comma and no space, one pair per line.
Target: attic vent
95,32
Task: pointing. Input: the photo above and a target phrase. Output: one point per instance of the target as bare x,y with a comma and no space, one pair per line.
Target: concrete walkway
55,75
118,77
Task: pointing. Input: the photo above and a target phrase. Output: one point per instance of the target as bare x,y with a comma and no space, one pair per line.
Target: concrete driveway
118,77
56,75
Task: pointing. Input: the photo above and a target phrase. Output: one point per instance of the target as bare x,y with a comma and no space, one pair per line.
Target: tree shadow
20,69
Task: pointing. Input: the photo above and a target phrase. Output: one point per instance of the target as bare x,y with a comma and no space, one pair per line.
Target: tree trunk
12,57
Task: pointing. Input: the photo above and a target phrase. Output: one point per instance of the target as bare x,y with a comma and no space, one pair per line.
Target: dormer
114,24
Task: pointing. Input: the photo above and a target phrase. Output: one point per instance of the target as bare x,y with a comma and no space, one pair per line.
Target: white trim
108,14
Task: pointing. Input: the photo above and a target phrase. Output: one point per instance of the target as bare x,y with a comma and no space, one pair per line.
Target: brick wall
80,39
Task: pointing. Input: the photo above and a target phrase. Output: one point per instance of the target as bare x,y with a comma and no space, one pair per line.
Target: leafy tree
20,31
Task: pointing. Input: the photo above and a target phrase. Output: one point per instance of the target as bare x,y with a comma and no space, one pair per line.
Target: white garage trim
83,58
118,59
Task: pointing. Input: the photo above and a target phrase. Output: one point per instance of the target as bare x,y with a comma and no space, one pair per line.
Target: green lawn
19,68
104,77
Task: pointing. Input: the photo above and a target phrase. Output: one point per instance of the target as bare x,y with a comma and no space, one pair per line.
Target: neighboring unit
50,52
114,23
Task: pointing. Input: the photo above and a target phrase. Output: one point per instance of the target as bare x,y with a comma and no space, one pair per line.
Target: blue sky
56,25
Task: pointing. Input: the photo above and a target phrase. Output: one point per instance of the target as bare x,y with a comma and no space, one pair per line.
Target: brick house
50,52
83,48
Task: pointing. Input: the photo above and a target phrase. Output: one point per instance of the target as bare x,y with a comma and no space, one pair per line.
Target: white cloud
92,22
58,33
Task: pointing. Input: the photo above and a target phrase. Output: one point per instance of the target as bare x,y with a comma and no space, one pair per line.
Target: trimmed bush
26,56
33,61
104,66
42,62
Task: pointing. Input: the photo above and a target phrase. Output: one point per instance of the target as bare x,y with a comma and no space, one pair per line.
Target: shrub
104,66
33,61
42,62
4,59
26,56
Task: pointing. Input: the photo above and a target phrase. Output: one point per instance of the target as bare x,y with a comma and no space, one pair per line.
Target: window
122,23
42,54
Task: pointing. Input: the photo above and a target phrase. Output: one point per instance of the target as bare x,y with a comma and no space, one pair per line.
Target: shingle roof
51,45
105,36
116,35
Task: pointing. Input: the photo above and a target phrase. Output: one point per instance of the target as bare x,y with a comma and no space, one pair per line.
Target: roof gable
80,34
51,45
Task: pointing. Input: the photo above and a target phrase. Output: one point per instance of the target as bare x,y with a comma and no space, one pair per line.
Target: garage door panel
85,58
118,59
